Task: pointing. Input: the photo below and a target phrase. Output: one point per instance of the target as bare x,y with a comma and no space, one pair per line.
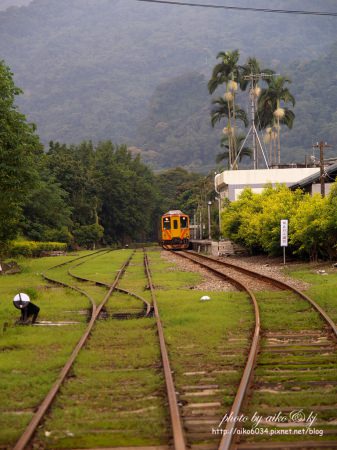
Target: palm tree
227,72
270,112
252,67
245,151
222,109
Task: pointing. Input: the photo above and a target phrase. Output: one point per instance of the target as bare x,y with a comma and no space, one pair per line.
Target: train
175,230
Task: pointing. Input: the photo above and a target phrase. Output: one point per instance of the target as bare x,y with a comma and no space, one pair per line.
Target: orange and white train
175,230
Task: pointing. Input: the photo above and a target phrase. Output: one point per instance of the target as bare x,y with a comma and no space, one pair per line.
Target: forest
121,70
80,195
83,195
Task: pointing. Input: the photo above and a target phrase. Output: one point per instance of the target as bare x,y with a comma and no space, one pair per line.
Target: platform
217,248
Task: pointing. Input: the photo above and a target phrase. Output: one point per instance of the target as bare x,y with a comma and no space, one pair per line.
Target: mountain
177,127
90,69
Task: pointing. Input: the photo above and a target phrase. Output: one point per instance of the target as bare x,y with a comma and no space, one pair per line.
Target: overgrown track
292,362
177,430
248,370
149,309
46,403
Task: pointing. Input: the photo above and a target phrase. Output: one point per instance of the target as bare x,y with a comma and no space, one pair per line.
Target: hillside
90,69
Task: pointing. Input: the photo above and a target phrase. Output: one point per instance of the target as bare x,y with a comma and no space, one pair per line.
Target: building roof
313,178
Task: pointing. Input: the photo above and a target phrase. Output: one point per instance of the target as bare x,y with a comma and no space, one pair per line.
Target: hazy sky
4,4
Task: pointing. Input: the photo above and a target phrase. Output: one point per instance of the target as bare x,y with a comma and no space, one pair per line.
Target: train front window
183,222
175,224
166,223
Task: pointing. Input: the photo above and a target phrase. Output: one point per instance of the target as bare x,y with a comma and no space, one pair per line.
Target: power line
242,8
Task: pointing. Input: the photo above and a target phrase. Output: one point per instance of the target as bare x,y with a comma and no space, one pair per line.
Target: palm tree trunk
230,143
234,140
278,141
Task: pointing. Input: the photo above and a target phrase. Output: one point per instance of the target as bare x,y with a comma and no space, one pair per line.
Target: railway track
287,365
148,309
42,410
192,421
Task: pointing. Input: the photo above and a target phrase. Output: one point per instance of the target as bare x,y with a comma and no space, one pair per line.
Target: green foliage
46,215
105,187
72,168
88,235
254,221
179,189
309,224
126,194
32,248
19,150
277,203
240,220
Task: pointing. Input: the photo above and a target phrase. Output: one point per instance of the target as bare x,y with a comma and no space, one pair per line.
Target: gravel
261,264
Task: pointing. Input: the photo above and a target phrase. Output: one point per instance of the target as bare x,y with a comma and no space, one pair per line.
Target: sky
4,4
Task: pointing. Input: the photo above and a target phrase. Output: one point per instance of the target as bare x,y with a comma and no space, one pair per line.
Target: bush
88,235
34,248
254,221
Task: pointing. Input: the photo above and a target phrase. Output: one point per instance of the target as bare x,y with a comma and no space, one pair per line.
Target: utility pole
209,219
253,78
322,145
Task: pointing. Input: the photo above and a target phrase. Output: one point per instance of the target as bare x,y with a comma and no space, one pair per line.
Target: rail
48,400
177,429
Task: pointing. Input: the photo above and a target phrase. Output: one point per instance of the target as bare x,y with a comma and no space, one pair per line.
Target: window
183,222
175,224
166,223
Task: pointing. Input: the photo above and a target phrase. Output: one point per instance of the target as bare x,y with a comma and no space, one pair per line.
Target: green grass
322,287
126,403
116,392
295,372
104,268
277,310
31,357
115,395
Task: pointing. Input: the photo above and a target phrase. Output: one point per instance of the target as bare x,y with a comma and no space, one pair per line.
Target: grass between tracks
31,357
322,285
116,394
299,379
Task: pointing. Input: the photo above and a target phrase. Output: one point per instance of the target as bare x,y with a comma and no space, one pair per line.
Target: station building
230,183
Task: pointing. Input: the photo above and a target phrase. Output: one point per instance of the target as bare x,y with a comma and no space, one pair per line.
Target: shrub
34,248
88,235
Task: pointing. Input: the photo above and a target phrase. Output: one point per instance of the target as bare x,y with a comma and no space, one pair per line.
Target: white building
231,183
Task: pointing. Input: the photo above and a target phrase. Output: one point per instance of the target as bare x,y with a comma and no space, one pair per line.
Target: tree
88,235
20,150
72,167
272,110
245,151
252,67
46,214
254,219
309,225
240,220
227,72
126,192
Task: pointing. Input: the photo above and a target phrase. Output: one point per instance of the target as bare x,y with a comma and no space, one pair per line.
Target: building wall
231,183
316,188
